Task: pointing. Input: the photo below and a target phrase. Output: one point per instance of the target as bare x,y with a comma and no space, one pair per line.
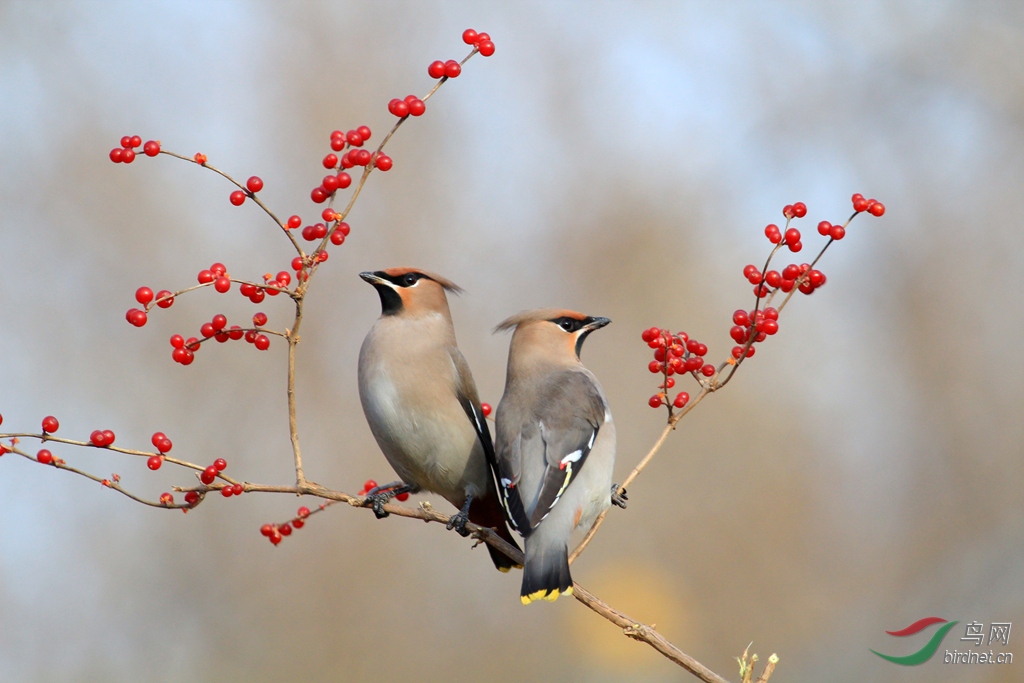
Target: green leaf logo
926,652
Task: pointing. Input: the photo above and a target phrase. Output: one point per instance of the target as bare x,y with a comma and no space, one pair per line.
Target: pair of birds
422,406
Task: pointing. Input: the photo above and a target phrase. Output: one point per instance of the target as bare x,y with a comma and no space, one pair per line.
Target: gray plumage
555,443
421,403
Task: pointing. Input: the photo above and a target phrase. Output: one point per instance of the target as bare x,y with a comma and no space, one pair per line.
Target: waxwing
422,406
555,443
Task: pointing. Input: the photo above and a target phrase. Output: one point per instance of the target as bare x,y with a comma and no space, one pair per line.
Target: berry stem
251,195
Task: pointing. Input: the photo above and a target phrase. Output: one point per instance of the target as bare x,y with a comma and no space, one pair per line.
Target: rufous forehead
400,271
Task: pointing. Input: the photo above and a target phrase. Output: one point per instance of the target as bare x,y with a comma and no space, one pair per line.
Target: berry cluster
253,185
125,154
676,353
275,532
480,41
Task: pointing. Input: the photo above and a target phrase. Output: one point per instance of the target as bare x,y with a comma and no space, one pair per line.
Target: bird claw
377,502
619,498
458,522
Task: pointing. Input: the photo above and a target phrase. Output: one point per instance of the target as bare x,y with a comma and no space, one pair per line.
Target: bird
554,443
422,405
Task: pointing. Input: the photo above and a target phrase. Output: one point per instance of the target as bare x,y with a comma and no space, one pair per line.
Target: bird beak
374,279
596,324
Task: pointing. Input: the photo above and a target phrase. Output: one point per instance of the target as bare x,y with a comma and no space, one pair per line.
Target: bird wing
465,389
558,434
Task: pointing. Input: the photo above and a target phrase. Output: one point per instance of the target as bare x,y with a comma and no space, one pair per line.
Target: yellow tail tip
542,594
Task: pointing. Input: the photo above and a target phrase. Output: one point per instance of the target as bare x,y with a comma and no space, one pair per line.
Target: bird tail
546,574
486,511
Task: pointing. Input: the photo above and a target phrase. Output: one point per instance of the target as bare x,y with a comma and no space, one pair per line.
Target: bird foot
377,502
619,498
458,522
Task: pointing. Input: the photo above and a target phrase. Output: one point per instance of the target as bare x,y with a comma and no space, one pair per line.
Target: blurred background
861,472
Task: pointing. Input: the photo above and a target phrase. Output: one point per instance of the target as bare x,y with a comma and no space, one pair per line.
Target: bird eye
567,324
410,279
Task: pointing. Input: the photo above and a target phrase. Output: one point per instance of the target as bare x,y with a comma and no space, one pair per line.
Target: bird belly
430,444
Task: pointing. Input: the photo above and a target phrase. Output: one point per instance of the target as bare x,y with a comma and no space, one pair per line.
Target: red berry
773,278
44,456
318,195
655,401
364,132
297,263
682,398
154,462
738,334
164,445
207,330
285,529
452,69
262,342
137,317
655,367
398,108
707,370
806,288
338,144
116,155
824,227
737,351
740,318
330,183
369,484
875,208
237,489
750,269
254,184
796,247
164,299
837,232
436,69
859,203
97,438
185,357
133,141
319,231
284,278
259,319
267,529
486,48
227,491
799,209
191,497
220,464
208,475
469,36
219,322
362,156
205,276
770,327
151,148
275,537
337,239
303,512
344,228
344,180
50,424
383,162
294,222
127,156
166,498
792,236
755,278
222,284
816,278
144,295
236,332
771,231
126,141
346,161
237,197
417,107
329,214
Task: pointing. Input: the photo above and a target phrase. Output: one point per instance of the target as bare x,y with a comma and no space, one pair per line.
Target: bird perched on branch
555,443
422,406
